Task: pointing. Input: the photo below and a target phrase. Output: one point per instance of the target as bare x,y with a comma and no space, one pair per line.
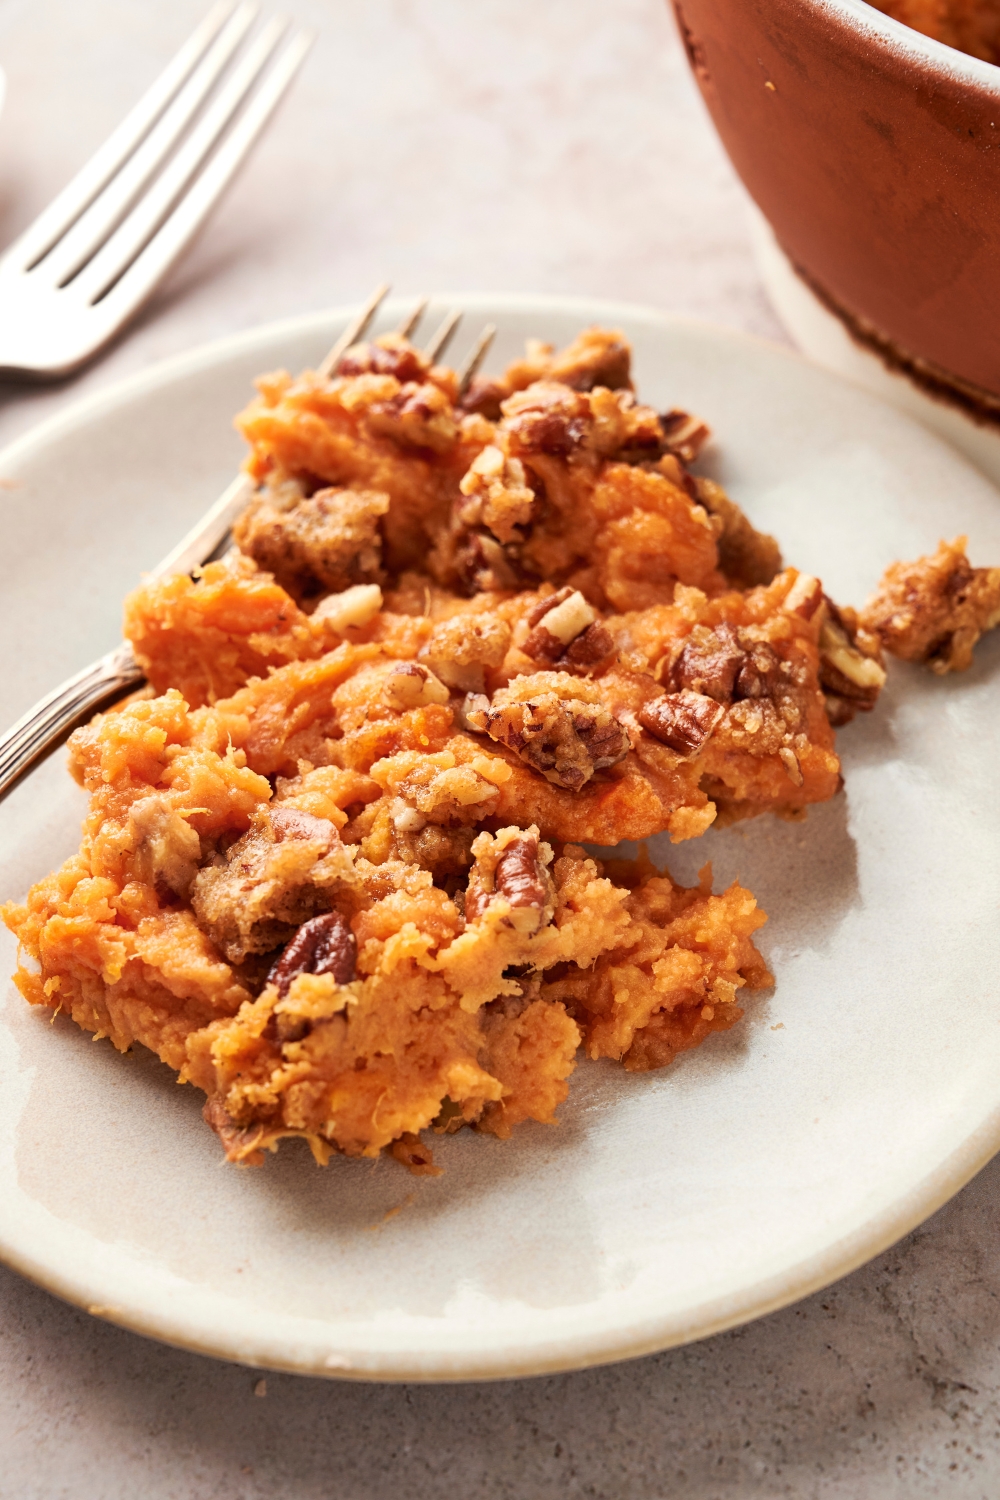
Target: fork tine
354,331
67,206
443,337
163,201
469,370
173,235
109,208
409,324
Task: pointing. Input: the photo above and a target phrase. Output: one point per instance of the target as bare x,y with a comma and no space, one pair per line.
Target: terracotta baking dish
874,152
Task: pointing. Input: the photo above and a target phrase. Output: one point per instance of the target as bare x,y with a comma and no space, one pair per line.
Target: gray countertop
558,147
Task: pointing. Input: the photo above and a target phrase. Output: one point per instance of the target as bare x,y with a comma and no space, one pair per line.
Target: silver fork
55,716
90,259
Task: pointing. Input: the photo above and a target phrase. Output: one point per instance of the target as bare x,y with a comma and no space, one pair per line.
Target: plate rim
562,1351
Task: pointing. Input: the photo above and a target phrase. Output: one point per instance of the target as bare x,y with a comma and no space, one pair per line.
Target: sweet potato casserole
338,869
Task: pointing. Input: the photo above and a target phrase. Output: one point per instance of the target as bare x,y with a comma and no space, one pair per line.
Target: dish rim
866,21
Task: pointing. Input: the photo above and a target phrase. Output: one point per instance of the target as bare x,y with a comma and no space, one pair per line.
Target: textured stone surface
553,147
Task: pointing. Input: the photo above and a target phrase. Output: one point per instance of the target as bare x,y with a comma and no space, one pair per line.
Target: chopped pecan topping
710,662
598,357
473,712
759,673
240,1142
567,739
804,597
409,685
496,494
389,355
354,606
325,945
851,678
547,418
272,880
593,645
520,876
726,664
461,647
483,564
327,541
485,395
684,435
566,630
790,761
684,721
935,609
418,416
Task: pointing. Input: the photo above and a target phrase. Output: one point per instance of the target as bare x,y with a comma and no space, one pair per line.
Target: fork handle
55,716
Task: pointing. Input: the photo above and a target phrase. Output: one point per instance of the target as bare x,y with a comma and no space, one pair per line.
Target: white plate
665,1206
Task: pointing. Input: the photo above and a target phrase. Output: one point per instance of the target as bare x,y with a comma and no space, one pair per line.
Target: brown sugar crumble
334,869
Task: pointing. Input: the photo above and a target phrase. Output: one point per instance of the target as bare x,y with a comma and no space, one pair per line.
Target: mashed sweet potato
333,871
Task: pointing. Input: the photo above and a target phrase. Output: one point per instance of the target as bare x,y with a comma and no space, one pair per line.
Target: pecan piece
935,609
850,677
270,881
519,876
325,945
804,597
410,685
759,673
461,647
547,418
710,662
566,630
240,1142
683,721
566,739
390,355
485,395
684,434
418,416
496,495
483,564
353,606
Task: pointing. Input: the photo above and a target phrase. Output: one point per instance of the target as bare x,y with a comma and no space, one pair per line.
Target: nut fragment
325,945
935,609
726,664
790,761
497,494
313,545
460,648
566,738
851,678
270,882
565,629
547,418
759,675
410,685
710,662
683,721
355,606
520,877
804,597
418,416
389,355
684,435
